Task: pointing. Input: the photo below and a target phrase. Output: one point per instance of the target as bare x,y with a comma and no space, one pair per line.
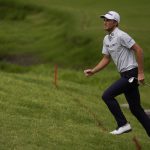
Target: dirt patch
20,59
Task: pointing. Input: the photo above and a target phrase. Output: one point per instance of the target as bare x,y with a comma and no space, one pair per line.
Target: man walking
121,48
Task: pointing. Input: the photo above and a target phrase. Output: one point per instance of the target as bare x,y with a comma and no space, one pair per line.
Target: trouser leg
109,98
133,98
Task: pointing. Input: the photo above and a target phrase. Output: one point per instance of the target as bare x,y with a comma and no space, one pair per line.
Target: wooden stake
137,144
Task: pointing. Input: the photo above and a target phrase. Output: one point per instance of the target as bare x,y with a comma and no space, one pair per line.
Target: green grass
67,32
34,114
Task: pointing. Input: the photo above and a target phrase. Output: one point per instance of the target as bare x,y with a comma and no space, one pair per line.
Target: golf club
133,78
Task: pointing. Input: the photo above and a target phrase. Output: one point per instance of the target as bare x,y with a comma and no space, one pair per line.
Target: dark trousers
131,92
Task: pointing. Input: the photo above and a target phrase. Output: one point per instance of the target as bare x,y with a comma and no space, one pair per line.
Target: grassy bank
35,35
69,33
35,114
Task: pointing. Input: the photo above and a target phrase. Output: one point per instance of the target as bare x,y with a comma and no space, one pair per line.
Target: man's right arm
102,64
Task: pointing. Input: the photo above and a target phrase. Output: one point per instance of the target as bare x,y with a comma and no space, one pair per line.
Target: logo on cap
112,15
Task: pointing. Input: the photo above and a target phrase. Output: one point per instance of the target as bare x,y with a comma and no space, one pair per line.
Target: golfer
121,48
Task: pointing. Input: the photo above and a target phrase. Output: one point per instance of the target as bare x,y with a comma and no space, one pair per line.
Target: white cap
112,15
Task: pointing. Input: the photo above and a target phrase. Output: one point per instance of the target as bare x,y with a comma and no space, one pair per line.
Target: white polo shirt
118,45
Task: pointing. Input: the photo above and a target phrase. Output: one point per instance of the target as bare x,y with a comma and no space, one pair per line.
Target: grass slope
67,32
36,115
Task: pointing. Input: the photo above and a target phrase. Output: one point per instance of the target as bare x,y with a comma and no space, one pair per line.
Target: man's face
109,25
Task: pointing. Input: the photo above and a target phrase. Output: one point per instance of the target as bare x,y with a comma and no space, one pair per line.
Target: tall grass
35,114
68,33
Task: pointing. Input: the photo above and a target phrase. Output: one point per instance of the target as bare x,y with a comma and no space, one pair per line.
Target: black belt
130,73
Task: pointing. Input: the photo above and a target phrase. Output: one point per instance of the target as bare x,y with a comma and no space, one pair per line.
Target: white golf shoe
124,129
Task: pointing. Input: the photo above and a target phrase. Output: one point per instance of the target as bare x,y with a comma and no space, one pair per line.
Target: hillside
69,33
36,115
35,35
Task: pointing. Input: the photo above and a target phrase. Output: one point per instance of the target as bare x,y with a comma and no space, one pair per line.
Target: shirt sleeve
127,41
104,49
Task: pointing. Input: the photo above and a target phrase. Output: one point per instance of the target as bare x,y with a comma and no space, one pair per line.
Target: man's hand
139,54
102,64
141,78
88,72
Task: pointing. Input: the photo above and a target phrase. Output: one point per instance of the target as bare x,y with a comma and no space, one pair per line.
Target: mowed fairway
36,115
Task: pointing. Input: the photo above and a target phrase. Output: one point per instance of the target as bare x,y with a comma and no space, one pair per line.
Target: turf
35,35
67,32
35,114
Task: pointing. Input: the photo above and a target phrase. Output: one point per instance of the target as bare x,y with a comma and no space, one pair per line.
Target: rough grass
67,32
35,114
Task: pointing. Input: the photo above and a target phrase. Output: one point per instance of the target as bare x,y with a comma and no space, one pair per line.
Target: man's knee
105,96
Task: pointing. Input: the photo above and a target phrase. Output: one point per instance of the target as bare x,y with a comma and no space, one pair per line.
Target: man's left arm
139,54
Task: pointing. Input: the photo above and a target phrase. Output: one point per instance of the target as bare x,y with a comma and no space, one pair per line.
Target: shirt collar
114,32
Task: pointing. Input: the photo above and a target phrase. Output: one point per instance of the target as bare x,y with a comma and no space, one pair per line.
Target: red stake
56,75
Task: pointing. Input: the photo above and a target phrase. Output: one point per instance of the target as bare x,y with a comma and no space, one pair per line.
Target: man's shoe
124,129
